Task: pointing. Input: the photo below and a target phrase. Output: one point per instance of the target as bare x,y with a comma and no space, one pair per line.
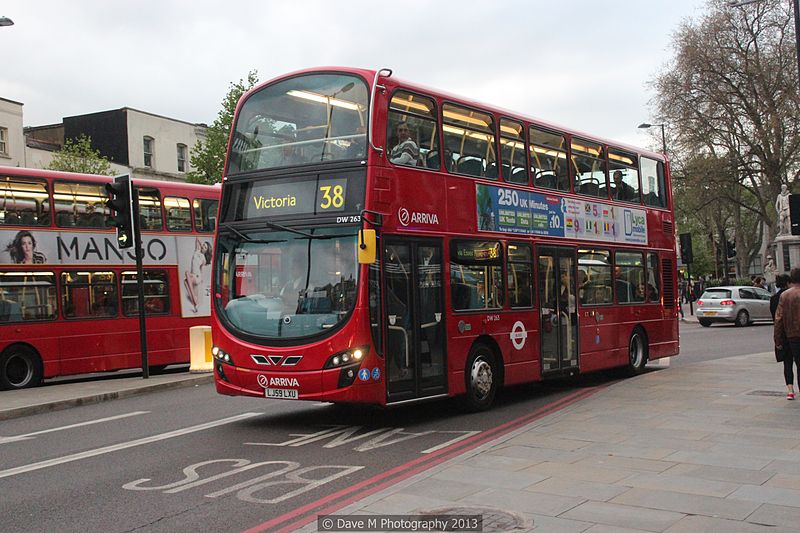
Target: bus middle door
414,312
558,309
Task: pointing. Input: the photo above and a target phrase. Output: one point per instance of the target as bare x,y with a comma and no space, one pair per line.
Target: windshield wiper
275,225
227,226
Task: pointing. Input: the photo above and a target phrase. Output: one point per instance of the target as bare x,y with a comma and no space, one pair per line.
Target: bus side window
26,296
179,215
205,215
470,135
80,205
20,201
413,117
150,209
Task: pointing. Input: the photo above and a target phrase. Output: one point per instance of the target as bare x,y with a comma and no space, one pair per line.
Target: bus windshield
302,120
280,284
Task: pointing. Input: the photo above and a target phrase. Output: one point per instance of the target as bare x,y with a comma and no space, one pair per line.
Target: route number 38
332,196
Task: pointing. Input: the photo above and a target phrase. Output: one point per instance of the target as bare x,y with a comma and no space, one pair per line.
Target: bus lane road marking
28,436
331,503
274,482
122,446
371,440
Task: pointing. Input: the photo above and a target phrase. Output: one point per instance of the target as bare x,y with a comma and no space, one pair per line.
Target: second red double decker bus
385,243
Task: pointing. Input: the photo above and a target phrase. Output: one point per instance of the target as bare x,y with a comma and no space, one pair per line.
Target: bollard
200,349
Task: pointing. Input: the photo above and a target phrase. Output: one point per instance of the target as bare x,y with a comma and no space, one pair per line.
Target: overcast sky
584,64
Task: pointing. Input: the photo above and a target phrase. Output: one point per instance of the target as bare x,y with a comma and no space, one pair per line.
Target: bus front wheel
482,378
20,367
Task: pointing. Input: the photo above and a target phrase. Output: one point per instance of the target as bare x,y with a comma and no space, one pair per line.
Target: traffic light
730,248
686,248
121,203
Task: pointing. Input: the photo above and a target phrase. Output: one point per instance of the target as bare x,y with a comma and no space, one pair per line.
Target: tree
208,157
77,155
731,93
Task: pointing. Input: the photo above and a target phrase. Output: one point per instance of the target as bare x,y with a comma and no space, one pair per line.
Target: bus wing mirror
367,246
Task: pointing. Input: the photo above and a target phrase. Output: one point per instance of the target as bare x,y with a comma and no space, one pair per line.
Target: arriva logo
407,217
283,382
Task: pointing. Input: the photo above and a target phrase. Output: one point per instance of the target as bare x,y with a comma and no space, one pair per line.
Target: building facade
12,140
136,142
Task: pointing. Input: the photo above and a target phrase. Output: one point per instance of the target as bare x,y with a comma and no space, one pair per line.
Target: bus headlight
221,355
353,356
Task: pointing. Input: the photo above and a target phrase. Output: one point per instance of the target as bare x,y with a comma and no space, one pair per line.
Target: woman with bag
787,330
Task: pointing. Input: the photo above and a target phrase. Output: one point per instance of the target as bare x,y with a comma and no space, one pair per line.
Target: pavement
707,447
73,391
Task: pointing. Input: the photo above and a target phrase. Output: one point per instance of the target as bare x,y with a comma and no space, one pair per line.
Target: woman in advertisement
23,249
201,258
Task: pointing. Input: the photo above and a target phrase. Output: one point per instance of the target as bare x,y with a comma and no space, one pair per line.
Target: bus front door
558,309
414,314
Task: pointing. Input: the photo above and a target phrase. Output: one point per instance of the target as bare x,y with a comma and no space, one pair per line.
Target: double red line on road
307,513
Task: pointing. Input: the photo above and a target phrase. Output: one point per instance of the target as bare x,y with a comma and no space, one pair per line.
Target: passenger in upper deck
406,151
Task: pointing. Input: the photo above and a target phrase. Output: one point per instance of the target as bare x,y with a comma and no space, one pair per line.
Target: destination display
532,213
296,197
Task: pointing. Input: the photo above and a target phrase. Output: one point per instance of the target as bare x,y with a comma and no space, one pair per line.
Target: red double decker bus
68,294
383,242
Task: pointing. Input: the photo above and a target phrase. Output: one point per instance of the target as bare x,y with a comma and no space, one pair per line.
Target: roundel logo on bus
407,217
518,335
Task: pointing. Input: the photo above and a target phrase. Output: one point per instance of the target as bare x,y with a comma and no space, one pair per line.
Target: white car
741,305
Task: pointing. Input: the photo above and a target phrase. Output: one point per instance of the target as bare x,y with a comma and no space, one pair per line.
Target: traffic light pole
725,252
137,236
689,291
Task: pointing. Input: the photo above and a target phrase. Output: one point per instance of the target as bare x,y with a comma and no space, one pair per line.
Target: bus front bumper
348,384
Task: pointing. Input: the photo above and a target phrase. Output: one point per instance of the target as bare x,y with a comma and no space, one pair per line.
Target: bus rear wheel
482,376
637,352
20,368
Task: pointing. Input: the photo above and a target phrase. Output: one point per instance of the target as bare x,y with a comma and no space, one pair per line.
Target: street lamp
796,4
5,21
645,125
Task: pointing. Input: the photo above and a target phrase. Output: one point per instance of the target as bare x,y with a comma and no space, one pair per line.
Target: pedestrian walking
681,294
787,330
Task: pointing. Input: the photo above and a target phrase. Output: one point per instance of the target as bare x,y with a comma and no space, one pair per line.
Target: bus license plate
282,394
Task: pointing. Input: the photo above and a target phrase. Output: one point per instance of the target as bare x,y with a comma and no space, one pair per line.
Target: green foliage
77,155
730,98
208,157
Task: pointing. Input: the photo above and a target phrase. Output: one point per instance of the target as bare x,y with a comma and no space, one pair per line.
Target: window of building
149,147
182,153
476,275
156,293
80,205
413,135
629,280
27,296
24,202
3,141
512,151
653,188
179,214
548,153
520,276
205,214
469,142
594,277
624,176
88,294
150,209
589,162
